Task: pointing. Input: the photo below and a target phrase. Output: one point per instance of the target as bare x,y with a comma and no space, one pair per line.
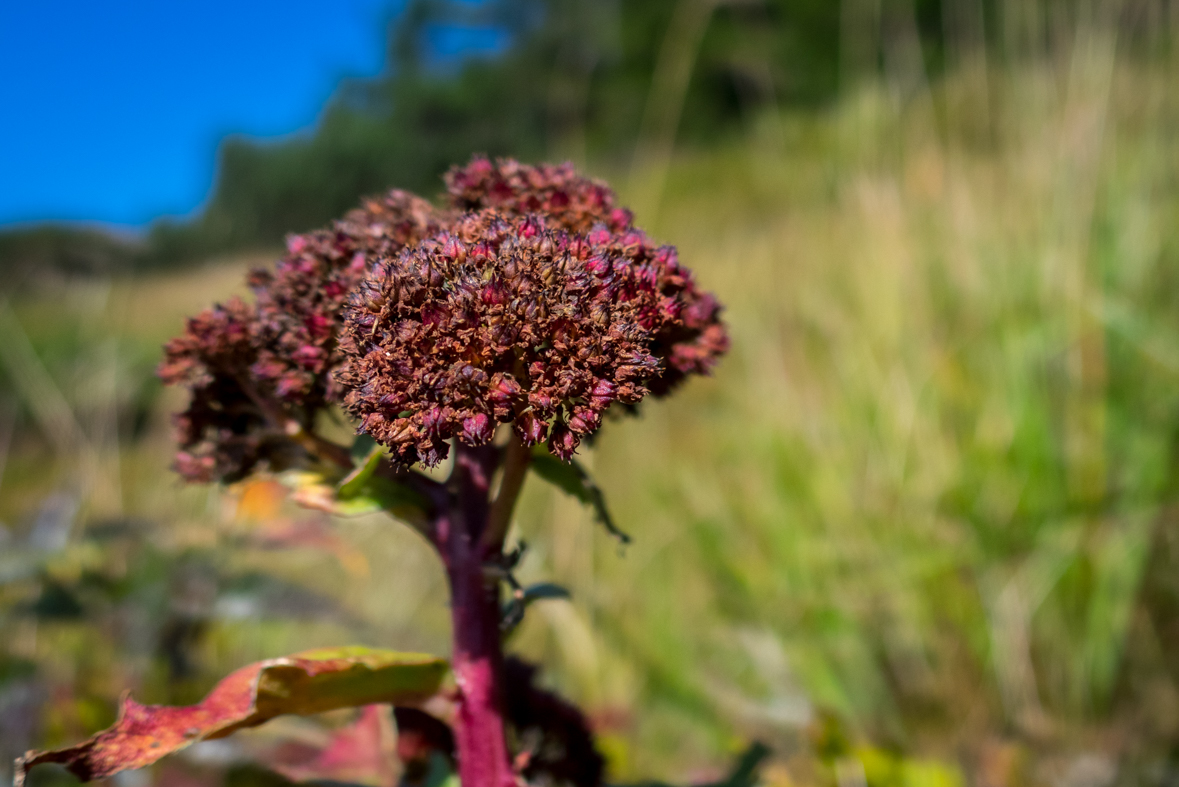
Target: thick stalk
475,614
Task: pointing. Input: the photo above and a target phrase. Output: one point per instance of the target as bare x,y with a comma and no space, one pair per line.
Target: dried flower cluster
568,201
693,339
298,305
533,301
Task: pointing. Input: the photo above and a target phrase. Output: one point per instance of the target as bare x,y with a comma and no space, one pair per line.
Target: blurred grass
919,527
925,489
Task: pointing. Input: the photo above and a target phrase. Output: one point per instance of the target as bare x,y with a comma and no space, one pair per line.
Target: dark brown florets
255,370
503,320
564,199
568,201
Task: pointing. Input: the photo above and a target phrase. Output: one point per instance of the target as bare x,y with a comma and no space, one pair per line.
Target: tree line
586,81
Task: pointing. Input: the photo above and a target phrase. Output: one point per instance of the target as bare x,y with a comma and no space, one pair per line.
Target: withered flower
557,194
568,201
254,371
503,319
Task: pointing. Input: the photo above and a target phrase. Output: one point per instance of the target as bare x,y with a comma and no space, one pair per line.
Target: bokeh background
919,530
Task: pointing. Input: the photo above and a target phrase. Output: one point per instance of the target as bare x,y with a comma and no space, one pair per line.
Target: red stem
475,614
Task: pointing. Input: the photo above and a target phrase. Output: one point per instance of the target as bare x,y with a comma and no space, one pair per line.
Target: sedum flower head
533,301
502,319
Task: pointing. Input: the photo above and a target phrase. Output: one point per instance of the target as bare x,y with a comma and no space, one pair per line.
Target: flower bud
584,421
562,442
530,428
477,429
308,356
504,388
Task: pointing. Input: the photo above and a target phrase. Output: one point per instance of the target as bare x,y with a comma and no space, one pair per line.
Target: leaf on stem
517,604
571,478
542,590
366,457
305,683
357,496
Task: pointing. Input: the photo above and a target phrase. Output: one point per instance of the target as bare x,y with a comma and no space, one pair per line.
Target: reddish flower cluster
253,370
540,306
561,197
504,320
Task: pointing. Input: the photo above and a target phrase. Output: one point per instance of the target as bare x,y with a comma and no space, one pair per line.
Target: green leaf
366,456
388,495
365,495
541,591
514,608
306,683
362,448
572,478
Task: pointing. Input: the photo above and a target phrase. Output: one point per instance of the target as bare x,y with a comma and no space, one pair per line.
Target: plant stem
516,459
475,614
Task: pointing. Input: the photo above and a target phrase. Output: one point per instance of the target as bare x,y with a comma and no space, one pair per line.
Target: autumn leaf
305,683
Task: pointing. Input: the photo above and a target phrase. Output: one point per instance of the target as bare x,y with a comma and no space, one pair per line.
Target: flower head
502,319
540,306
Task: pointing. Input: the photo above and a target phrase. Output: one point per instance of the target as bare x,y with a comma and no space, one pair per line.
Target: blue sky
112,109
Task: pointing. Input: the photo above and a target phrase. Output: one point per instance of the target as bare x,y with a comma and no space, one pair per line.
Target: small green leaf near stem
573,479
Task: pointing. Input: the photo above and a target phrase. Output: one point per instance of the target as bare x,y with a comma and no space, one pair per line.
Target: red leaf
305,683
